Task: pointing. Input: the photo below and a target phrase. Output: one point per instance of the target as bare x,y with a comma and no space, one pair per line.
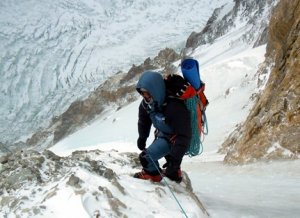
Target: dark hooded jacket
168,115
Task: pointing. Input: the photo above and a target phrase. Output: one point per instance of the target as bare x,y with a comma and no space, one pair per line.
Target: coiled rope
196,146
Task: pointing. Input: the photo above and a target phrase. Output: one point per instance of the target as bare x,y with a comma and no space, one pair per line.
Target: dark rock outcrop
163,60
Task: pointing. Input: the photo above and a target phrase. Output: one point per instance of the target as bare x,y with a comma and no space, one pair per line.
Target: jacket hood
154,83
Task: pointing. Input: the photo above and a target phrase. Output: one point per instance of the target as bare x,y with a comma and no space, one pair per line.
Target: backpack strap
203,100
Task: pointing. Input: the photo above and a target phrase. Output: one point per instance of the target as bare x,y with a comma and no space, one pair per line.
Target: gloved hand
141,143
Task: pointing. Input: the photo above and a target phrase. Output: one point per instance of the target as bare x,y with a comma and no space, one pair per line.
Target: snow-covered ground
230,84
227,67
255,190
53,53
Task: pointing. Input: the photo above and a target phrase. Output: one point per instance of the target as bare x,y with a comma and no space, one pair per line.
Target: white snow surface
55,52
229,70
256,190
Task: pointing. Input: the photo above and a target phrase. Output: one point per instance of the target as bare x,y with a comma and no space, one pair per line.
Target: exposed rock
166,57
263,38
74,181
37,137
137,70
118,90
25,168
272,129
163,60
50,194
114,202
250,12
206,35
99,178
6,200
4,159
50,155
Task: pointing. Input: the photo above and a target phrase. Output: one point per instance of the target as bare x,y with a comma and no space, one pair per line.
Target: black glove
141,143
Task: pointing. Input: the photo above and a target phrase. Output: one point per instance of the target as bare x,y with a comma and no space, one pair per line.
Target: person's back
178,117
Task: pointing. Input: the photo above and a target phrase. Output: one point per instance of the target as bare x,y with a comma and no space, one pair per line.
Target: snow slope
55,52
230,84
229,70
87,184
255,190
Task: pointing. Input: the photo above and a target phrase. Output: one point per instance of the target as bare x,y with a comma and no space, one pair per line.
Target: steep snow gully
89,173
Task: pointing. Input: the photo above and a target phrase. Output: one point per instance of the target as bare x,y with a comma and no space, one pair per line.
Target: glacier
55,52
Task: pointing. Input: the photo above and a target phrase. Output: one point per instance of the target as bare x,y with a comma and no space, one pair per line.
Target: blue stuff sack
190,71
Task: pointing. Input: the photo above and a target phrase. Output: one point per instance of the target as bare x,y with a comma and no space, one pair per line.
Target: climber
171,119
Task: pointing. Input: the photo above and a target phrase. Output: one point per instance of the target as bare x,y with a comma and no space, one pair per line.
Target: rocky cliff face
272,130
252,15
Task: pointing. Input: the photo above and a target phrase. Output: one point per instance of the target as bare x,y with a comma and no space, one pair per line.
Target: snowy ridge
249,19
90,184
55,53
